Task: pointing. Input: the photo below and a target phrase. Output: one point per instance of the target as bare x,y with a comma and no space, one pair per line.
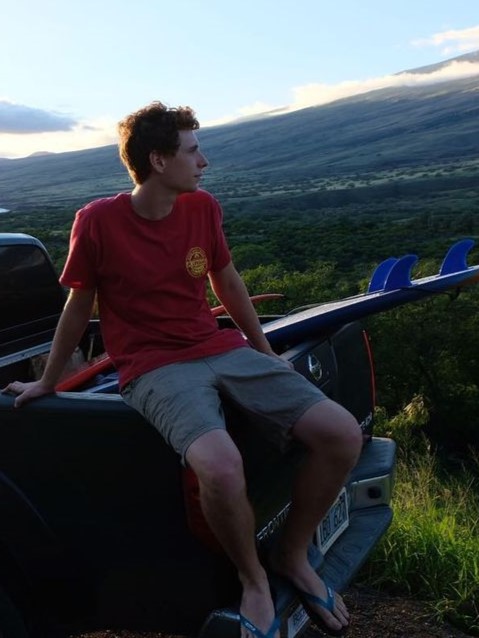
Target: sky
69,71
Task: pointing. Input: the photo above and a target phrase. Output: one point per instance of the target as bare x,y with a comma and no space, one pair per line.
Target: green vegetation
431,551
352,228
431,349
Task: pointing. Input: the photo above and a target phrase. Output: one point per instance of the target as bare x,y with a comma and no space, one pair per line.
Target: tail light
371,367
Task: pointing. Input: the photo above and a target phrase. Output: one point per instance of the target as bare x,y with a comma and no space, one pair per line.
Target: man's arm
71,326
233,294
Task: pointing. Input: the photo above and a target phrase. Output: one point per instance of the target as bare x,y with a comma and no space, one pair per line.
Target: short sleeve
221,251
79,270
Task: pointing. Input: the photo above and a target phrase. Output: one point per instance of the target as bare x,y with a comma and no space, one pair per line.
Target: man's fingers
12,388
20,400
24,392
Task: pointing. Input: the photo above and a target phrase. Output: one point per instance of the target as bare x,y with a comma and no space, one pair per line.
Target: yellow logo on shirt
196,262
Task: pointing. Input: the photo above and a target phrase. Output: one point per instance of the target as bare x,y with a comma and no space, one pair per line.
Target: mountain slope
401,126
375,131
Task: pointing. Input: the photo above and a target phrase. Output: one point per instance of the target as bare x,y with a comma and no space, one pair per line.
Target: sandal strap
247,624
327,604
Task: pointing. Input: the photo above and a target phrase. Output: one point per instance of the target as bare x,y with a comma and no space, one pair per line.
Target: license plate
334,523
296,621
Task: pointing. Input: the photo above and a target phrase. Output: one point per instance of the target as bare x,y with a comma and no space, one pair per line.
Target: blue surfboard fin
456,257
379,276
400,274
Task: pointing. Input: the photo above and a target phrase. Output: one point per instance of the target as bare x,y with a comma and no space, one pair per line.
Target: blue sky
71,70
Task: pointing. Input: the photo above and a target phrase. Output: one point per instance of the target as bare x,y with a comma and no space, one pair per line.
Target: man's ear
157,161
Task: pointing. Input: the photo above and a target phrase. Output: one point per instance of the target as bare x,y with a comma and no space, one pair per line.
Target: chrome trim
8,359
274,524
315,368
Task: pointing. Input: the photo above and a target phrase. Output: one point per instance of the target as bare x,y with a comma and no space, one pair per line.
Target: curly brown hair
152,128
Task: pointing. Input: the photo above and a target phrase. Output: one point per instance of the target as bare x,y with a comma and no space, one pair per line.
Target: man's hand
27,391
71,326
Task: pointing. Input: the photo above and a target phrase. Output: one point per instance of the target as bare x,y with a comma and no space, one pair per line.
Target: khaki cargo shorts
183,400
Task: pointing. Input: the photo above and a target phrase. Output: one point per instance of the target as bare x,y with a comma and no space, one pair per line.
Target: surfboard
85,373
217,311
390,285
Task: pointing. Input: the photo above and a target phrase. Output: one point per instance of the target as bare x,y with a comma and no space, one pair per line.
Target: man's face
182,172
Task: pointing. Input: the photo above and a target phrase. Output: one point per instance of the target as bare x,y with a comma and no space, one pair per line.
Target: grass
431,551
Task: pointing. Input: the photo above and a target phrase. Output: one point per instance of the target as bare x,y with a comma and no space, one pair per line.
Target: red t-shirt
150,277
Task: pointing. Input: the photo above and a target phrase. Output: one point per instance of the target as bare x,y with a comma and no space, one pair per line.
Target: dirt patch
374,615
379,615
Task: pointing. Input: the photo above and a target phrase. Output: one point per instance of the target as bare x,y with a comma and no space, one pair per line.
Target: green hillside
381,129
390,143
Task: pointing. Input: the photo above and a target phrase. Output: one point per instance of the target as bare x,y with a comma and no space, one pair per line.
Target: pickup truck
100,525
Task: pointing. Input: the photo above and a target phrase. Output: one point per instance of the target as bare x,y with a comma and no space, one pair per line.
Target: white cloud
83,135
254,109
227,119
453,41
243,112
317,94
21,119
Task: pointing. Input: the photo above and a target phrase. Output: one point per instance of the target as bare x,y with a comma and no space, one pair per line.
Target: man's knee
222,476
329,425
217,463
351,438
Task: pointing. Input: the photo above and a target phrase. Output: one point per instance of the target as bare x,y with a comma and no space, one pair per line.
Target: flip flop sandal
251,627
328,604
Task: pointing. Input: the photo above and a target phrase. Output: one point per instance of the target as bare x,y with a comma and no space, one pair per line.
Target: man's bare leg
218,466
334,440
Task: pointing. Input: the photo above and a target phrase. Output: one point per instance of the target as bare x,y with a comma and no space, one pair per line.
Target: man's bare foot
257,608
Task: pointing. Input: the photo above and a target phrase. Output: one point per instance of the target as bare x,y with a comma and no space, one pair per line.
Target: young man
147,256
